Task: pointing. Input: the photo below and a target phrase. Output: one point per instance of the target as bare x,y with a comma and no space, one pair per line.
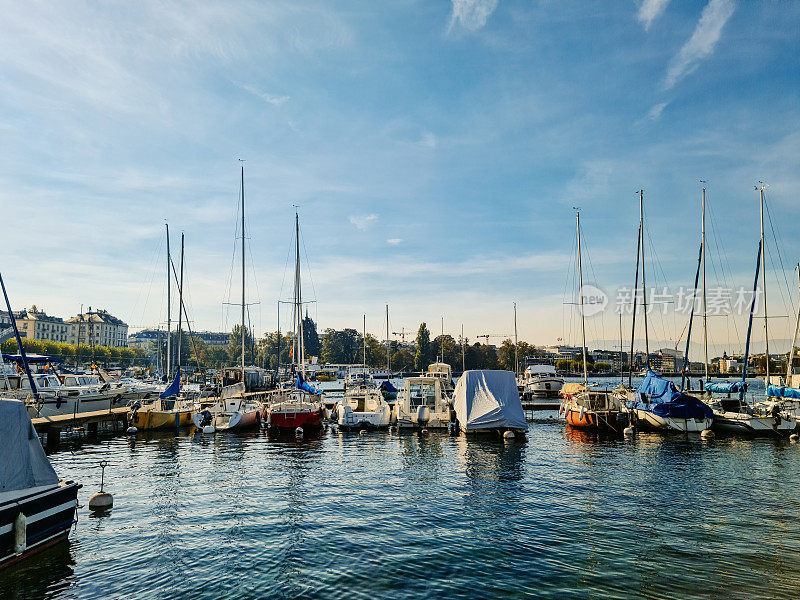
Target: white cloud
471,14
428,140
703,40
394,241
363,222
649,11
265,96
655,113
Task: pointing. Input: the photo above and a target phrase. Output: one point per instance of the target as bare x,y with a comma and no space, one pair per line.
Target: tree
235,346
310,337
403,360
341,347
422,358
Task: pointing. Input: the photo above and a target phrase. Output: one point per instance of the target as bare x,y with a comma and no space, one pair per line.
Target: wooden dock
51,426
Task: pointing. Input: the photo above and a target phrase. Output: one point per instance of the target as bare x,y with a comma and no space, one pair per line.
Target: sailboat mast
580,300
516,343
278,362
243,280
299,297
750,326
635,298
794,339
169,302
463,350
388,359
180,311
365,340
621,370
705,312
764,286
644,286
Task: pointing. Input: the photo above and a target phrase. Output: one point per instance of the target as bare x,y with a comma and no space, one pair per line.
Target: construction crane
402,333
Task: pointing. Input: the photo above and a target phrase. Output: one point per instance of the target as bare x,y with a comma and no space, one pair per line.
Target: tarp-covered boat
488,401
659,404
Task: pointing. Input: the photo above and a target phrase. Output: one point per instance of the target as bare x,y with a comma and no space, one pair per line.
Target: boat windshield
422,394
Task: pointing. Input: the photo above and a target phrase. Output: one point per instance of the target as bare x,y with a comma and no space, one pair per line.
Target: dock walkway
52,426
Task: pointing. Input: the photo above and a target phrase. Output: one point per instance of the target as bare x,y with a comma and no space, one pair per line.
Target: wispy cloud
394,241
265,96
428,140
471,14
363,222
654,114
703,40
650,10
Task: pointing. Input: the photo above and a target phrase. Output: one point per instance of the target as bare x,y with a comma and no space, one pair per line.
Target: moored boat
488,401
422,402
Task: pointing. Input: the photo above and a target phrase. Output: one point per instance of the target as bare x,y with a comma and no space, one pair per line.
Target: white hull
347,418
543,387
732,422
672,424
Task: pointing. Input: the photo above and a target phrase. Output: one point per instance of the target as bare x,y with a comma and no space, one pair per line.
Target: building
151,336
98,328
618,360
35,324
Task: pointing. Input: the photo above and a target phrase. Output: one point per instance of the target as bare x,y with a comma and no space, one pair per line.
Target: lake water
560,514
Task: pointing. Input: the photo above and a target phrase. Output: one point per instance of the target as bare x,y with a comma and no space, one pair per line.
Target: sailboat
298,406
169,409
232,410
591,409
657,403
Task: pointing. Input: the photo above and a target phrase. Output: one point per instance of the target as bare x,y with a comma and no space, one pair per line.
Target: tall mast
463,350
365,340
442,338
794,339
516,343
388,360
644,287
580,296
180,307
764,284
169,323
621,369
635,297
705,312
243,282
298,297
278,362
750,326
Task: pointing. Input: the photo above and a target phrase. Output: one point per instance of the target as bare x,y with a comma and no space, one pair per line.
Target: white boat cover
23,463
488,400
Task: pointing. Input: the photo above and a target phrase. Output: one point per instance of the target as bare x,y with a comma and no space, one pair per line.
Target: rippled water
561,515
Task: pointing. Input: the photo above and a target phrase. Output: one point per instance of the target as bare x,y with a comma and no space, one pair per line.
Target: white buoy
794,437
508,434
102,500
706,434
131,430
208,429
628,431
298,432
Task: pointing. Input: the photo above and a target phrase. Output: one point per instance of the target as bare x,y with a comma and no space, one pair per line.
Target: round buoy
362,432
298,432
209,429
628,431
101,501
424,431
508,434
131,430
794,437
706,434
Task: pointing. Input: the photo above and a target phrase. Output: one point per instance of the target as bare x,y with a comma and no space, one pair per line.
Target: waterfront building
97,328
151,336
35,324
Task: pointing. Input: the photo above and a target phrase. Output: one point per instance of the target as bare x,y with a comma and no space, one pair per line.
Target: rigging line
601,334
286,265
153,265
727,280
226,300
657,263
308,264
569,284
787,305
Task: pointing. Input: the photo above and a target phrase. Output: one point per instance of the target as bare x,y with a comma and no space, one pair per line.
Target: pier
51,426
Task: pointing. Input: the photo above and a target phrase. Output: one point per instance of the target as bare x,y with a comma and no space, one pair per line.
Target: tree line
105,356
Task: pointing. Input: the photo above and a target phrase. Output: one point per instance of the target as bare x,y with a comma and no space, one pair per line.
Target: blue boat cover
661,397
725,387
781,391
174,387
302,385
388,387
33,359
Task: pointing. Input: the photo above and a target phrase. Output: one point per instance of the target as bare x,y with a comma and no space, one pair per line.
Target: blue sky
435,150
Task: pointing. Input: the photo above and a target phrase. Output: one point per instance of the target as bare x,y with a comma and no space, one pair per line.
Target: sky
435,151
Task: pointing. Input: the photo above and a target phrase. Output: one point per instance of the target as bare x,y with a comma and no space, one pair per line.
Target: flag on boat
174,387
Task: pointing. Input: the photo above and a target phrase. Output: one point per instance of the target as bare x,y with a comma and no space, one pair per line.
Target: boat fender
794,437
423,414
706,434
508,434
580,415
131,430
20,533
298,432
59,402
628,431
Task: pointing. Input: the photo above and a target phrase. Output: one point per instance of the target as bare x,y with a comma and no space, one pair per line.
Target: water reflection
48,573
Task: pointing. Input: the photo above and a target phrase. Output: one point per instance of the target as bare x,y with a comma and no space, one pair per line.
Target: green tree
235,346
310,337
422,358
341,347
403,360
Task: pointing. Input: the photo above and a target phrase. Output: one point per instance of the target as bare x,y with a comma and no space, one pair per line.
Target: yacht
363,406
442,371
540,381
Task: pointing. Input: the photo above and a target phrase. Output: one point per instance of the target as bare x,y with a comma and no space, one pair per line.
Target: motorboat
540,381
444,372
422,402
487,401
37,510
363,407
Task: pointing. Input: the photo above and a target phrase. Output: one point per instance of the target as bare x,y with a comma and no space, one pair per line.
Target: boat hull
589,419
49,516
158,419
650,420
290,418
743,423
